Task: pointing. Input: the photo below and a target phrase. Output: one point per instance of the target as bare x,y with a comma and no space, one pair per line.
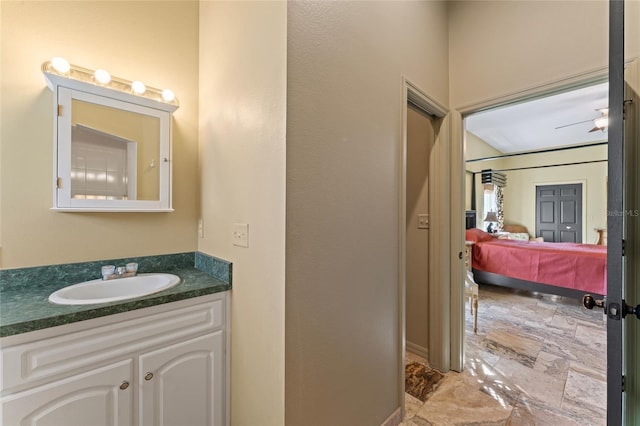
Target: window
489,204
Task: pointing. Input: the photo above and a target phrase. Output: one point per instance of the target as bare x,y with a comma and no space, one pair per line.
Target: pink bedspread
578,266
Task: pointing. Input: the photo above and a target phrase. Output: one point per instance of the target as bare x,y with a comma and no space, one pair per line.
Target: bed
565,269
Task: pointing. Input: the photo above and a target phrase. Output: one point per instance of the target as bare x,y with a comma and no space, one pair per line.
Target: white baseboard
417,349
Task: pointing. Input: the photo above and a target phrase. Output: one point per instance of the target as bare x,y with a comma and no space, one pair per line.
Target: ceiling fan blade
573,124
595,129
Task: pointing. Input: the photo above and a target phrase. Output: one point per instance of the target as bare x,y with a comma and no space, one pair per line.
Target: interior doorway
538,204
423,234
420,140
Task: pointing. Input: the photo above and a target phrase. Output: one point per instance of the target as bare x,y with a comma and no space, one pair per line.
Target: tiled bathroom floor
536,360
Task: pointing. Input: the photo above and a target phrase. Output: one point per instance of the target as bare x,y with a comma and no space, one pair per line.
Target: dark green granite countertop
24,306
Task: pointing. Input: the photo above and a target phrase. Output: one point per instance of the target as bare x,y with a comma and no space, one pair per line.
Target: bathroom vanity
147,342
156,360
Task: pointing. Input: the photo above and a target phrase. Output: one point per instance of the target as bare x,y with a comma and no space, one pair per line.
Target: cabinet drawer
70,353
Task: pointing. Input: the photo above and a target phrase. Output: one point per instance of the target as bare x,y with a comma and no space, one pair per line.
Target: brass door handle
589,302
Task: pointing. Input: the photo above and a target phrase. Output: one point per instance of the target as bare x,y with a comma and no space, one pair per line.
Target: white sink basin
99,291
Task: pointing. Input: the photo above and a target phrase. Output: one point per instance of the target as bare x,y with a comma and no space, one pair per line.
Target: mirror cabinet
112,148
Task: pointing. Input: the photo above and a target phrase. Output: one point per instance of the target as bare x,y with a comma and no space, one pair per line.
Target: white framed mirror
112,149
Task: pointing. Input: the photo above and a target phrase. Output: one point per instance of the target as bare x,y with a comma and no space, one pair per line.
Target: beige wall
344,126
420,140
502,47
632,30
155,42
242,168
477,148
497,49
520,194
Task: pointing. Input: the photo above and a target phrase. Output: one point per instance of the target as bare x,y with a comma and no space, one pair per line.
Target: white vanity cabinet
178,383
92,398
164,365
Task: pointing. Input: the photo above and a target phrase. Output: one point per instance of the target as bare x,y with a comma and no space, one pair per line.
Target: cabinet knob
148,376
124,385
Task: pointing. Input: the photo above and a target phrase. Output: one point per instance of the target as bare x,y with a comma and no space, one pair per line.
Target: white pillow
518,236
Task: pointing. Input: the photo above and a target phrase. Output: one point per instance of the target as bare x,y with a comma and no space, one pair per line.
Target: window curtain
500,206
496,181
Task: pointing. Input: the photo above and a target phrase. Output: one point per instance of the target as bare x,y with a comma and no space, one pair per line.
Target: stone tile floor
537,360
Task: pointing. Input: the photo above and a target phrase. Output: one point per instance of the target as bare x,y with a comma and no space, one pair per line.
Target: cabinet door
183,384
94,398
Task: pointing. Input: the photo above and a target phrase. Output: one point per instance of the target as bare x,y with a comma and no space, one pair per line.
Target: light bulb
168,95
60,64
102,76
138,87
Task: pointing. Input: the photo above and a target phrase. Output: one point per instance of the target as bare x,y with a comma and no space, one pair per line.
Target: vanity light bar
60,66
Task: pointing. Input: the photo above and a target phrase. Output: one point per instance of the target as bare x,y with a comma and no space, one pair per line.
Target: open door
623,228
623,271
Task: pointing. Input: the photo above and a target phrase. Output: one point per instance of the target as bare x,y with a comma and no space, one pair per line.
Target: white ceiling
532,125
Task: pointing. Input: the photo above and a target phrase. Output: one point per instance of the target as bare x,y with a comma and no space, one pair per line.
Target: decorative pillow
523,236
476,235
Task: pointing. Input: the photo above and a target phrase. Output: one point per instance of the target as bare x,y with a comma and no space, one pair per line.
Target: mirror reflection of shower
103,166
114,153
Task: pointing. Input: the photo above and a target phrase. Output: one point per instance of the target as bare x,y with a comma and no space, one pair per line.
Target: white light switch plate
423,221
241,234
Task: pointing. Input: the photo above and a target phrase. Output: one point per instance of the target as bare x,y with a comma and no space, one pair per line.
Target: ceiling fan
599,123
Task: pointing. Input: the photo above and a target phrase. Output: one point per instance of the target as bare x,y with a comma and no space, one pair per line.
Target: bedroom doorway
536,343
623,228
559,213
619,334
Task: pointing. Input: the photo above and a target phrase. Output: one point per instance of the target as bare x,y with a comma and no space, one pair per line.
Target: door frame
614,73
631,330
459,143
438,218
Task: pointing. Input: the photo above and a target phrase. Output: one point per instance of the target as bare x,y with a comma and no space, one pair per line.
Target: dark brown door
559,213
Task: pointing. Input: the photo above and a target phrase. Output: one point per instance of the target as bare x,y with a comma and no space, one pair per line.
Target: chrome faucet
110,272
